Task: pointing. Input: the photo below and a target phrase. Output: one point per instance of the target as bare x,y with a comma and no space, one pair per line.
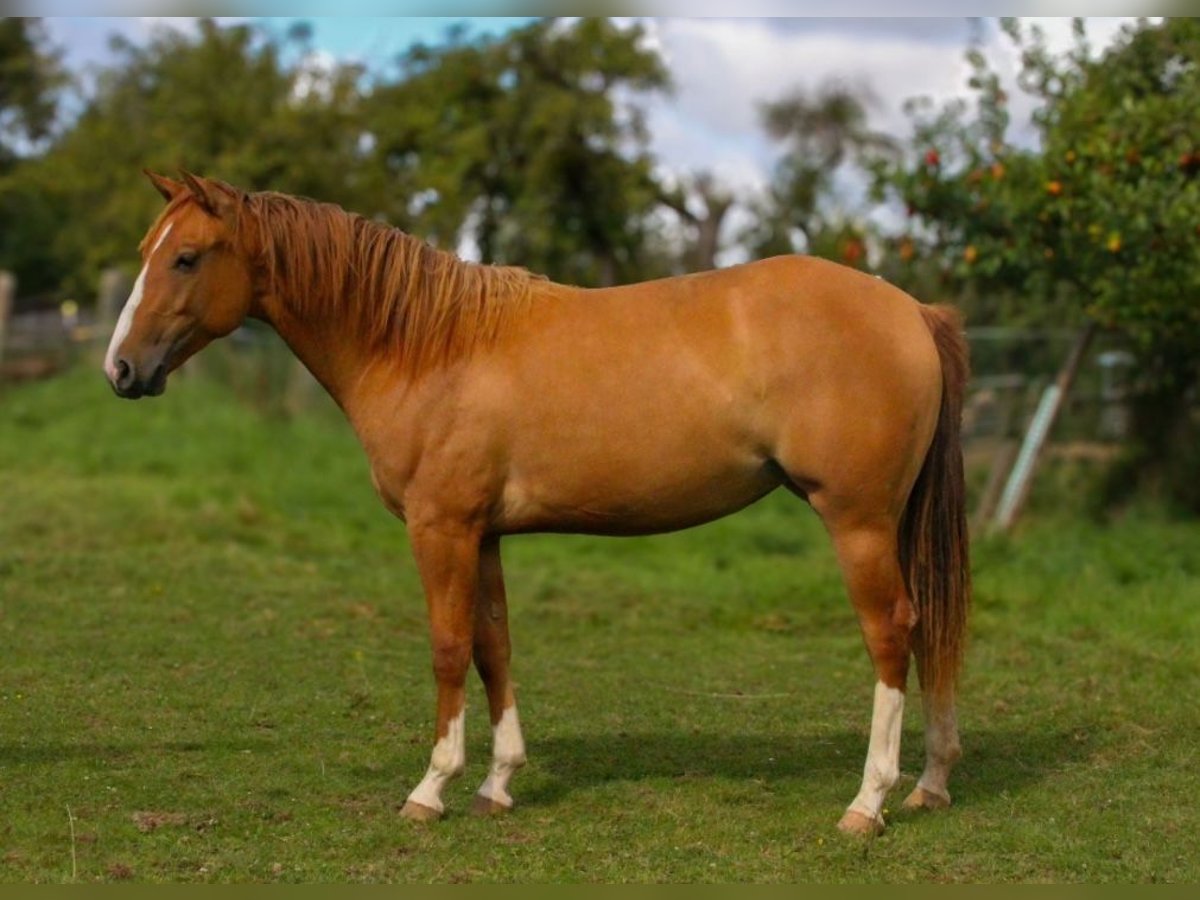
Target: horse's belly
633,499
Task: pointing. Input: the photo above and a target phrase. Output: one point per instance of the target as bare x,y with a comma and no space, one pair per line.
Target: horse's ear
215,197
168,187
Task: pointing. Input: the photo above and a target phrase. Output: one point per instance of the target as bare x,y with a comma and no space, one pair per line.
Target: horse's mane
422,305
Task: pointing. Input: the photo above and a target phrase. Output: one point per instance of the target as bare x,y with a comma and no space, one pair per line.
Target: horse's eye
186,261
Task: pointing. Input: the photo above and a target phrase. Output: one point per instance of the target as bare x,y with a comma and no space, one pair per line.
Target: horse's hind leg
492,655
942,748
870,564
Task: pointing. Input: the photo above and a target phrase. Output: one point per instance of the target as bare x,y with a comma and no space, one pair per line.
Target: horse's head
196,285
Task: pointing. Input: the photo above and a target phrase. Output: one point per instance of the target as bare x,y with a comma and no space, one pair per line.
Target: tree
521,144
702,205
224,101
31,77
1095,222
31,80
820,133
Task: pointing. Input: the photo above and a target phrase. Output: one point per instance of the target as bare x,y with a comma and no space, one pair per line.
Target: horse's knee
450,660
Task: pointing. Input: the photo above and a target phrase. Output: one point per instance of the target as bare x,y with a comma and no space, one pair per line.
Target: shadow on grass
995,761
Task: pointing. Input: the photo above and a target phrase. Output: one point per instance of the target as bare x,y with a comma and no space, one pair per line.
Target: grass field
215,669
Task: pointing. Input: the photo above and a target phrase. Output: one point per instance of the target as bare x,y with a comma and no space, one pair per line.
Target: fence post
1003,459
114,288
8,296
1016,491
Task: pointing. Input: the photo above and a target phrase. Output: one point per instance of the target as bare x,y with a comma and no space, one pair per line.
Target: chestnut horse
491,401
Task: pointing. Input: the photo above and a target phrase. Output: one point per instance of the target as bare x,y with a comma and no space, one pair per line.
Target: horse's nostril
124,374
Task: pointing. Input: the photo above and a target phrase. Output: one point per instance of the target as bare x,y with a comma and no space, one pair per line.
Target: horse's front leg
492,654
447,556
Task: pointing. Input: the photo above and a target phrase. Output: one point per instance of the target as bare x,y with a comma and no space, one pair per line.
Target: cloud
731,66
150,24
950,30
725,68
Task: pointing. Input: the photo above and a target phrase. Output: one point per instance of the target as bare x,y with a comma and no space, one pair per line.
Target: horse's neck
328,347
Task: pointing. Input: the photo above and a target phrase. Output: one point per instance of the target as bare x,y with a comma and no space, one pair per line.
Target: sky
723,68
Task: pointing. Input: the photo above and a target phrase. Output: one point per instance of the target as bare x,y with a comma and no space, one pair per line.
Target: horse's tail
934,544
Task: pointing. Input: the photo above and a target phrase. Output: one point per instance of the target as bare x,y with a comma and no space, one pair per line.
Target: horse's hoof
922,798
486,806
856,823
418,812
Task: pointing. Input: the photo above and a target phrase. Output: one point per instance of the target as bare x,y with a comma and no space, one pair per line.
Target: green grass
215,669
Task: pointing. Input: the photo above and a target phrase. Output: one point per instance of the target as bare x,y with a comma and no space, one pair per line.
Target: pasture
215,668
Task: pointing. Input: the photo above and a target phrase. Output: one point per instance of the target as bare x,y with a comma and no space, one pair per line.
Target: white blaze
125,322
883,753
449,758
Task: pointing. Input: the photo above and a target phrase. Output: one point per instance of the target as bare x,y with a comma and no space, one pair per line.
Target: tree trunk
705,227
607,274
8,296
708,233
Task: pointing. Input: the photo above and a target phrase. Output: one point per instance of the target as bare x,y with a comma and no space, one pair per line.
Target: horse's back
785,336
800,304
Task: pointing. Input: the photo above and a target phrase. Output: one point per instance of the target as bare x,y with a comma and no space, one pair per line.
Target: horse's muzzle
131,383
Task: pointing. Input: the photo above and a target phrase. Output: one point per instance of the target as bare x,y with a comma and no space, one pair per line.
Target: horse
491,401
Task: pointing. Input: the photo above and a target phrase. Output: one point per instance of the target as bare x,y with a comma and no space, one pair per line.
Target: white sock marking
941,745
883,752
125,322
448,759
508,755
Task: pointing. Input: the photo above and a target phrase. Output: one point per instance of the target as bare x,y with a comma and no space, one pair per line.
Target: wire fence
1012,367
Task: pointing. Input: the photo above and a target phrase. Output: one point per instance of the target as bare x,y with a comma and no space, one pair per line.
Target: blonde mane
422,304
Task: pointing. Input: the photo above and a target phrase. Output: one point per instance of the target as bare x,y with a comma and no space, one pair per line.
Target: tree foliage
521,144
222,101
1095,220
31,76
1100,217
820,132
527,144
31,81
